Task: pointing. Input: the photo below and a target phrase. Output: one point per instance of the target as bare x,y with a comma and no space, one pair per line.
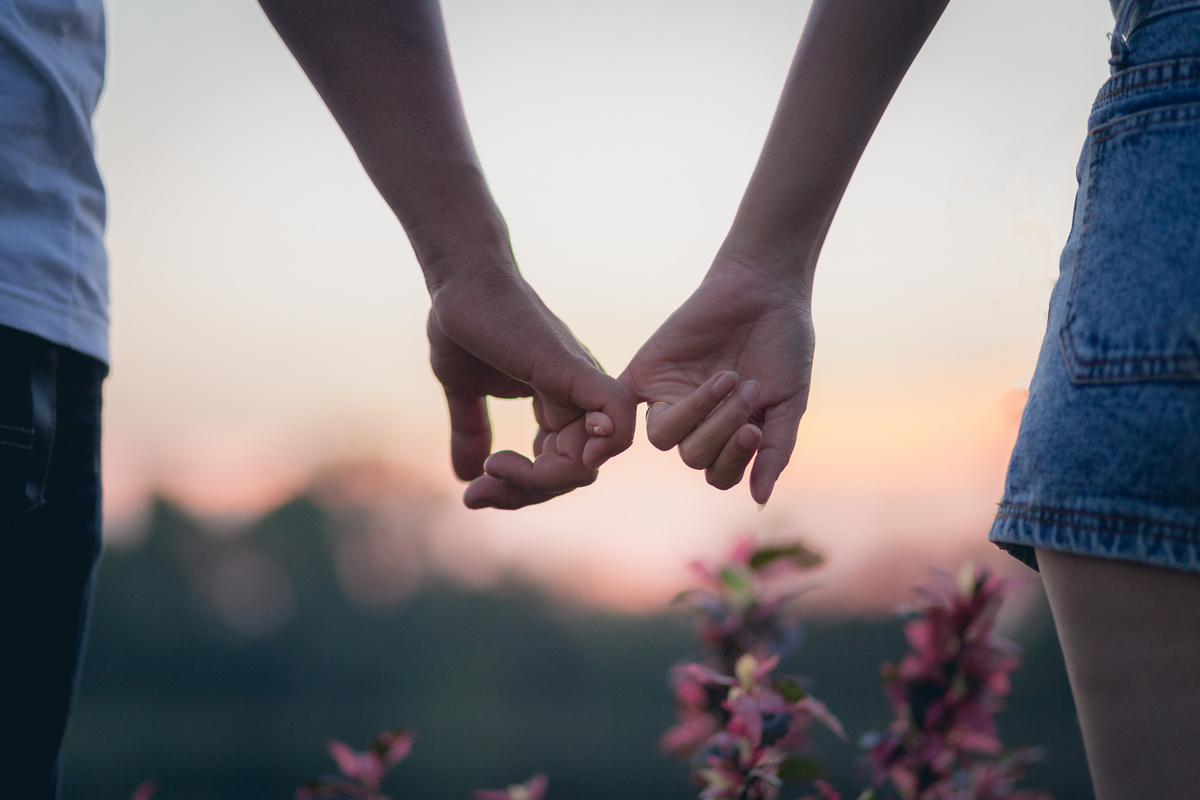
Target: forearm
851,58
383,69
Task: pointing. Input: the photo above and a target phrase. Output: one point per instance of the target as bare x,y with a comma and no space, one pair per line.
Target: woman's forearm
851,58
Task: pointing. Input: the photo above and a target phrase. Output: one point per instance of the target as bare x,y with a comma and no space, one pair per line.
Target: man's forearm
851,58
383,69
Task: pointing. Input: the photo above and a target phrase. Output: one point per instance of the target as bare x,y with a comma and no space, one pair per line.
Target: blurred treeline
220,665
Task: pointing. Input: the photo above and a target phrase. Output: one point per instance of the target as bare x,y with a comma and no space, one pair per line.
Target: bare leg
1131,638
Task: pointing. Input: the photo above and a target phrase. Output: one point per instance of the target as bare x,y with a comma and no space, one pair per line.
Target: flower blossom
362,772
945,693
742,600
746,728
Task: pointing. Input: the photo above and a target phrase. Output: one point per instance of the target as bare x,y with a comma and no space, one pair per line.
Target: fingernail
761,506
597,430
749,392
724,384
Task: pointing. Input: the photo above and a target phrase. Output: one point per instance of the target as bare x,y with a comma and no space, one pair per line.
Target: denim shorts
1107,461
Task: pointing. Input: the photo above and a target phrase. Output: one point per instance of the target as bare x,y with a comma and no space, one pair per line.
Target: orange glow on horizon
907,485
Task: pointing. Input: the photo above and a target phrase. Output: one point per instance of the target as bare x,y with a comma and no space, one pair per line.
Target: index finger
470,435
667,424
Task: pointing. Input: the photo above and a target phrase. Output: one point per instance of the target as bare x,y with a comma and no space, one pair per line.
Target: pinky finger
779,440
727,471
597,423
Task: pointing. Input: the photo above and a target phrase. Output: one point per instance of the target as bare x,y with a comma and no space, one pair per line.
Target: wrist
787,255
451,249
748,277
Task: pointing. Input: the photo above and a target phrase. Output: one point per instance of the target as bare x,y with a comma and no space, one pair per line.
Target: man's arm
751,314
383,69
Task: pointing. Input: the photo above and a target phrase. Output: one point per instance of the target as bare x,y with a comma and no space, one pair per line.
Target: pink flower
699,692
392,747
369,767
532,789
363,772
752,775
743,599
145,790
745,726
362,767
946,692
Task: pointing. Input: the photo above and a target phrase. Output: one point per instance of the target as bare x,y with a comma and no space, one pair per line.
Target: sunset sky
268,312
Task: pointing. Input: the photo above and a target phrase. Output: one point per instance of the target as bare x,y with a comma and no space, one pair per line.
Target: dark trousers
50,538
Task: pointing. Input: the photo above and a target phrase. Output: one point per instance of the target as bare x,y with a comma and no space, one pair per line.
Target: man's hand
491,335
383,68
742,322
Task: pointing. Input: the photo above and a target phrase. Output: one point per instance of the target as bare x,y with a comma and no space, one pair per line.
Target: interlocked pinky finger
597,423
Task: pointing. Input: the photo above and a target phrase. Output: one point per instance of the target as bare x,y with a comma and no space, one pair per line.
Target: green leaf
791,691
796,552
735,581
794,769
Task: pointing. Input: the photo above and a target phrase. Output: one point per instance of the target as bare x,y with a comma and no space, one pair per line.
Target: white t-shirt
53,268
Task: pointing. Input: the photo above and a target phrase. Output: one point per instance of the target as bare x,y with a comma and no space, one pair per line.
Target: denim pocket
27,421
1133,306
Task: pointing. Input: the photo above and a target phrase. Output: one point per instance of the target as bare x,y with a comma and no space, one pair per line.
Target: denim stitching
1038,514
1151,548
1189,364
1085,217
1127,81
1184,112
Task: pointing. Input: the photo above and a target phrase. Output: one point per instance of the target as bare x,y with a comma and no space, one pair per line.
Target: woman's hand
741,322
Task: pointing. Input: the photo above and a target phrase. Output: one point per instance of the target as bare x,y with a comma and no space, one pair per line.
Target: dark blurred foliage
220,665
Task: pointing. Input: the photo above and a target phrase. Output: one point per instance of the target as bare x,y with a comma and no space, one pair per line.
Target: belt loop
1119,44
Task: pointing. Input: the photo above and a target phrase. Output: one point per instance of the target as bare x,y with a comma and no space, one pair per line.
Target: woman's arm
752,312
851,58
